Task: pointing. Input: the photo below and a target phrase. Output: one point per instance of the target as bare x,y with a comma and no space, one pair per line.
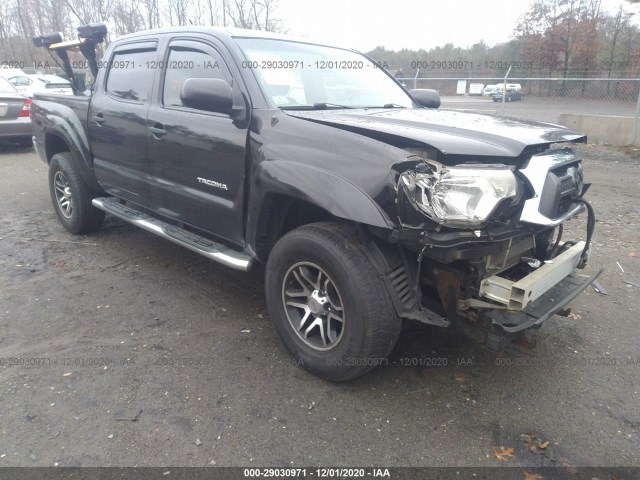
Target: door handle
98,118
157,130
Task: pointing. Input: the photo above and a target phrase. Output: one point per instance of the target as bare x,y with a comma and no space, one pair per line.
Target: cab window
190,62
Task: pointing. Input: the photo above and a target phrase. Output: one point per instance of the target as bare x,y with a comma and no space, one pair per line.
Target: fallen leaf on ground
533,443
531,476
502,453
459,378
568,465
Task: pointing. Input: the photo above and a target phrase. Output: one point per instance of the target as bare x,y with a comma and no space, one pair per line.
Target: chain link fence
539,98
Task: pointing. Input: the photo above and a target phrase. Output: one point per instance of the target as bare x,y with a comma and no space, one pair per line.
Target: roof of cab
228,32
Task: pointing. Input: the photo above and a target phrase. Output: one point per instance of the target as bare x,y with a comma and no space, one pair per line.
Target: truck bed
50,102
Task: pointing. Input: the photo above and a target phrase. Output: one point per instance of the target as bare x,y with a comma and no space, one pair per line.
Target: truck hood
451,132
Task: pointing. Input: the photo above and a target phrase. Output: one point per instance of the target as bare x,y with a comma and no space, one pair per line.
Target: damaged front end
488,241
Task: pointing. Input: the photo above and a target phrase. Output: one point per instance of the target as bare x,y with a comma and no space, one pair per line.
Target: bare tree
179,10
252,14
150,13
127,17
90,11
212,9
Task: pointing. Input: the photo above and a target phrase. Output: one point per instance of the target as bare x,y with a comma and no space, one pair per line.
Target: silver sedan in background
15,123
27,85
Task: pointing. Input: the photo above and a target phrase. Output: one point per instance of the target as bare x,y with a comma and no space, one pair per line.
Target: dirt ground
120,348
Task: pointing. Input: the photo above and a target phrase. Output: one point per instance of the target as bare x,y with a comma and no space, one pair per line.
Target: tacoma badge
213,183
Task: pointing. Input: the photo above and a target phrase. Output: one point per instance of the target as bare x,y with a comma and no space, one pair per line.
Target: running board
194,242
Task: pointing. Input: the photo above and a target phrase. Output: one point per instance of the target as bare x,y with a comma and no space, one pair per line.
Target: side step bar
194,242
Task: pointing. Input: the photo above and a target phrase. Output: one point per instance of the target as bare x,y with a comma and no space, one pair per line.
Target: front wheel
71,197
328,303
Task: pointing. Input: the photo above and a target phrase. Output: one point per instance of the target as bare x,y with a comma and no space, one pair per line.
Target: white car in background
489,90
27,85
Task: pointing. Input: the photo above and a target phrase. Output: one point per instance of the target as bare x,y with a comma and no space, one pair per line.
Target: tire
330,255
71,197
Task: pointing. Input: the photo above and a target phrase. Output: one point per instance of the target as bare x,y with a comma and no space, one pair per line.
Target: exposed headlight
464,196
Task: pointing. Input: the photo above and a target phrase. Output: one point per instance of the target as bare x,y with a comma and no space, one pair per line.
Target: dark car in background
510,96
15,123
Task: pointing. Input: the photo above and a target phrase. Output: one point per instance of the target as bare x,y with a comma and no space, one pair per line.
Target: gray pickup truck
367,204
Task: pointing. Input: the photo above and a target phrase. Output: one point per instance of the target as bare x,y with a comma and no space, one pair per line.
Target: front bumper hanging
545,306
517,295
528,302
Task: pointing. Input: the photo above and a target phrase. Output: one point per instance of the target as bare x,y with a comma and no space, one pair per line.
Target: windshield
298,75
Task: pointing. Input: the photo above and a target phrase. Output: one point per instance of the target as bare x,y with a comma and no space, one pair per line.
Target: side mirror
426,97
210,94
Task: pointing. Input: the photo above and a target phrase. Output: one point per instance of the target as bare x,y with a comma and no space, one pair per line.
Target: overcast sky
397,24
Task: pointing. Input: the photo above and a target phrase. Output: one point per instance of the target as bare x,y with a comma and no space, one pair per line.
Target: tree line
555,38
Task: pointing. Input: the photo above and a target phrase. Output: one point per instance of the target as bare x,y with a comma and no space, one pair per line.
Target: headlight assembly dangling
463,196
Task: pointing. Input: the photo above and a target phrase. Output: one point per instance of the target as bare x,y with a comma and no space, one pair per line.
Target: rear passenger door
197,157
117,121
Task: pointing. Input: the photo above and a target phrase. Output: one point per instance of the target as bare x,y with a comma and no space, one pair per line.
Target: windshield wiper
315,106
392,105
326,106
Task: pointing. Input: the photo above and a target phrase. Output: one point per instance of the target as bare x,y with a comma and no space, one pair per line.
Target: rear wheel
71,197
328,303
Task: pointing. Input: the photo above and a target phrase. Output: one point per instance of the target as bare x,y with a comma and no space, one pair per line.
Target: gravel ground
142,353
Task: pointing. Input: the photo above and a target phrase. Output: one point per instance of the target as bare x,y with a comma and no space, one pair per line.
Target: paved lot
543,109
130,327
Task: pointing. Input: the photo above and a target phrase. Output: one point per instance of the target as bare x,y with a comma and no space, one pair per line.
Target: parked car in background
510,95
489,90
27,85
509,86
15,123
